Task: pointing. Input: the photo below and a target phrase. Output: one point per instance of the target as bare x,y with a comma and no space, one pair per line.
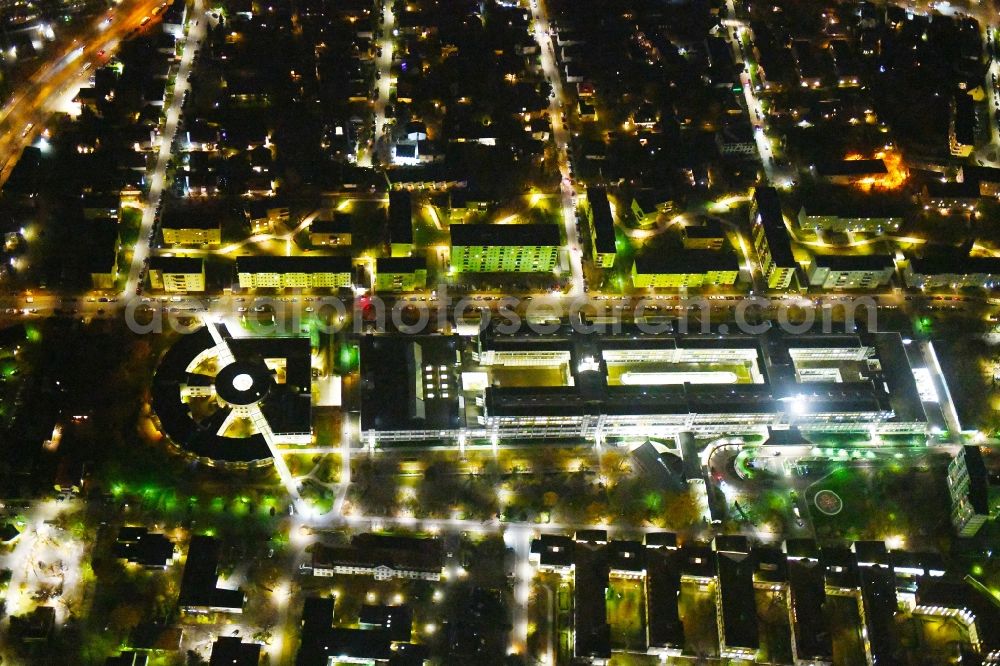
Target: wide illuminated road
30,107
196,32
561,135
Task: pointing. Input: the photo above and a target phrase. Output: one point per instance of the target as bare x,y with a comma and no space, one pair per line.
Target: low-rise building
689,268
706,234
381,556
835,271
849,172
335,232
177,274
400,273
200,591
491,248
265,217
298,272
770,239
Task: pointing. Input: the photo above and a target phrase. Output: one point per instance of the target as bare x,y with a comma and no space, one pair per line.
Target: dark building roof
400,217
393,366
489,235
199,584
297,264
769,216
663,585
179,215
850,262
878,593
979,480
184,265
397,620
593,634
137,545
935,189
340,224
808,589
604,223
553,550
739,611
376,550
954,264
400,264
686,261
232,651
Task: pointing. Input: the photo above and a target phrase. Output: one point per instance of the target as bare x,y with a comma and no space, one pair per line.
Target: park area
881,499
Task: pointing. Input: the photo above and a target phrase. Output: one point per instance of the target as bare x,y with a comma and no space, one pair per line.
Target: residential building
770,239
102,258
849,172
400,223
265,217
844,218
177,274
381,556
297,272
335,232
400,274
648,204
968,484
704,234
952,271
835,271
490,248
950,195
602,227
191,225
962,125
689,268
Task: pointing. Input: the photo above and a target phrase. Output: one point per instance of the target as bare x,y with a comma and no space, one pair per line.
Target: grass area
775,632
741,370
696,604
627,614
845,628
883,499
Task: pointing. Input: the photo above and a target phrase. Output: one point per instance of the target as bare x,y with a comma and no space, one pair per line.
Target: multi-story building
491,248
177,274
263,216
191,229
968,484
829,271
962,125
400,223
400,274
690,268
629,384
302,272
849,172
950,195
102,257
952,272
842,218
335,232
770,239
703,235
602,226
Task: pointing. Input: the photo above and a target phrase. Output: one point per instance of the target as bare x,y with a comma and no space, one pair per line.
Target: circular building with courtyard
228,401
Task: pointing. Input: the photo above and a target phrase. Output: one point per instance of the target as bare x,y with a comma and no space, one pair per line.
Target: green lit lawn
627,613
